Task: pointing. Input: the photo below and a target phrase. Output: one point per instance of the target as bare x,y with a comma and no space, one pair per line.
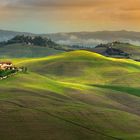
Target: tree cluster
30,40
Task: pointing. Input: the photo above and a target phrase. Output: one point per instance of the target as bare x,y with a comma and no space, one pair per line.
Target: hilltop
84,67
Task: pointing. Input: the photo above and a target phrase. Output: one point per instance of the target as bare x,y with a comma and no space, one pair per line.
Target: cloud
54,3
97,14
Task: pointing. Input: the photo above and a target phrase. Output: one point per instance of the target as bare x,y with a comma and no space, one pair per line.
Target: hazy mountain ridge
87,39
94,38
6,35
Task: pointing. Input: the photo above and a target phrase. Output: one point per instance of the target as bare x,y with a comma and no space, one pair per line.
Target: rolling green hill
84,67
71,96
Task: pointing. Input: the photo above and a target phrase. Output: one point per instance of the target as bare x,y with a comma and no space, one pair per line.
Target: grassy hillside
26,51
71,96
85,67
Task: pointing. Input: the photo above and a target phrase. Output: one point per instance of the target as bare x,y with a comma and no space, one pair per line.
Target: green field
76,95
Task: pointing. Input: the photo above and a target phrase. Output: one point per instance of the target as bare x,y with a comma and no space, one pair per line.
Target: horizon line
69,32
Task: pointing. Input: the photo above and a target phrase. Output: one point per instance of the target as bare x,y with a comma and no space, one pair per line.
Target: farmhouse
6,65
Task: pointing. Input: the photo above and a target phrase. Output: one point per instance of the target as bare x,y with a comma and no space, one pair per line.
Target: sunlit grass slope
86,67
72,96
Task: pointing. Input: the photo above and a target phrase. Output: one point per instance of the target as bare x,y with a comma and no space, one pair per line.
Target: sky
48,16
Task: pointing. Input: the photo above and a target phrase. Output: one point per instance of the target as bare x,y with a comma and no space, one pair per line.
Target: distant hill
118,49
87,39
29,47
38,46
91,39
61,42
